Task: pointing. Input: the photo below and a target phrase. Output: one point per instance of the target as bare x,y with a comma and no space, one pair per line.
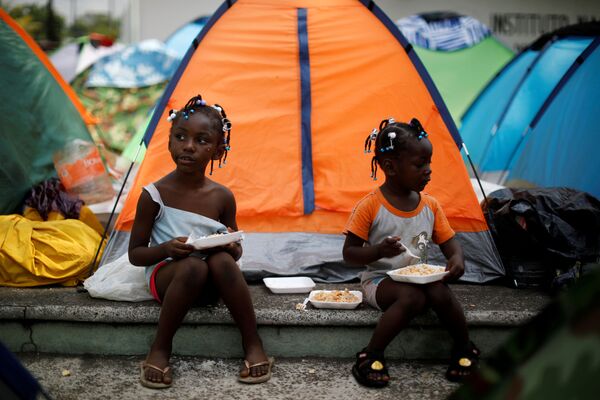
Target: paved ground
196,378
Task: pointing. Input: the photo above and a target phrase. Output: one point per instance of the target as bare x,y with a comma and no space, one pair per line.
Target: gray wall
515,22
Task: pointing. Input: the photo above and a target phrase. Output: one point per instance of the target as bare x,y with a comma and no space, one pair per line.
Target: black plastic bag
540,231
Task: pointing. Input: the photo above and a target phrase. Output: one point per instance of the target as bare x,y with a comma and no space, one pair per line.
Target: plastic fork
410,253
302,306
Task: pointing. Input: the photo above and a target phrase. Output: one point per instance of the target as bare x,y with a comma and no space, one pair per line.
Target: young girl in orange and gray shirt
399,211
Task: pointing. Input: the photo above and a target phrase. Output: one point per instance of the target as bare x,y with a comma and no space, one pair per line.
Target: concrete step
116,377
65,321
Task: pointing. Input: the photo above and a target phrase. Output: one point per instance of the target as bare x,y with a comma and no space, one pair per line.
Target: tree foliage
41,22
49,29
95,22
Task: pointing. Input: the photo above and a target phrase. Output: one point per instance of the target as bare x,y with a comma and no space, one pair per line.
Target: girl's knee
222,264
192,271
439,293
414,302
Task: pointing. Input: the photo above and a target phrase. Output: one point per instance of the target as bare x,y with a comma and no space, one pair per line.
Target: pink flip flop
257,379
154,385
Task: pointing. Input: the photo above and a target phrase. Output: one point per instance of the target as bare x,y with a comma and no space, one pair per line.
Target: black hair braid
384,123
374,168
226,128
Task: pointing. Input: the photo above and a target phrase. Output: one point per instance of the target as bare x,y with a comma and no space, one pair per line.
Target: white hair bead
374,134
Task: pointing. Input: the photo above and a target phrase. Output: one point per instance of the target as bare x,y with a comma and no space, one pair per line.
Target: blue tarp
143,64
443,31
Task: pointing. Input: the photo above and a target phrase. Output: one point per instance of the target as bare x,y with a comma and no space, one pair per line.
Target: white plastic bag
119,280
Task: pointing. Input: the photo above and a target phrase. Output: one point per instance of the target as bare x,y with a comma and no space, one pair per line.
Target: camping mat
319,256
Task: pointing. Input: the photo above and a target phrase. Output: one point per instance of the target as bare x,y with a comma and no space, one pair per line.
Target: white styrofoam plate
397,275
206,242
344,305
291,284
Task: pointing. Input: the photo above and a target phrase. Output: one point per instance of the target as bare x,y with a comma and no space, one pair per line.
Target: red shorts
153,280
209,296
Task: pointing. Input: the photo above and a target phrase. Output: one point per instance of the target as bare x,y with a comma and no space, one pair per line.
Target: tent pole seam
308,189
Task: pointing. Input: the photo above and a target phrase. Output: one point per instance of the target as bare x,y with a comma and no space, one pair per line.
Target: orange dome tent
304,82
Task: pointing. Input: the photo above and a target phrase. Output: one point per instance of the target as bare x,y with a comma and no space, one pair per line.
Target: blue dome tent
537,122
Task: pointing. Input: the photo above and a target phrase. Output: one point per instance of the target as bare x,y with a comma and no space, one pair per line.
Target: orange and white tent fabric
303,83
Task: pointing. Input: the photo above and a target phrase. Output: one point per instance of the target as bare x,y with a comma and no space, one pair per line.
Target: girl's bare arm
453,252
227,218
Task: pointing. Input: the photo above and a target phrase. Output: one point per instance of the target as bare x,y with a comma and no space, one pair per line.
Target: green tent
39,114
459,53
135,144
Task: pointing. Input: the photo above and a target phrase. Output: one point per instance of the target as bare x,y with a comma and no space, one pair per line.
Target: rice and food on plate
420,269
336,296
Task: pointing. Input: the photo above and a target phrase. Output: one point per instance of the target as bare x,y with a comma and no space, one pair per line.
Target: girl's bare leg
178,284
449,311
230,282
400,303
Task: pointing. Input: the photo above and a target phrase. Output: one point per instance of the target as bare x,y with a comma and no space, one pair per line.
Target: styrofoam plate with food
218,239
418,273
289,284
339,299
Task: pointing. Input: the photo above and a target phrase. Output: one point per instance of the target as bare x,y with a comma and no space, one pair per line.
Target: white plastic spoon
410,253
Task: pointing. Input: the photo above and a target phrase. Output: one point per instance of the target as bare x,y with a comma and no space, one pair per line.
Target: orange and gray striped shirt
374,218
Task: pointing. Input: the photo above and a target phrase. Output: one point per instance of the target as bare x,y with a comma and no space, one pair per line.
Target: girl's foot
464,360
256,362
245,376
165,382
156,368
370,369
